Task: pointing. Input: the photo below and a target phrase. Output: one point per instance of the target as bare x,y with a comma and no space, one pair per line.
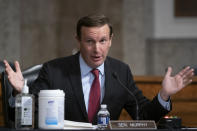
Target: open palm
173,84
15,78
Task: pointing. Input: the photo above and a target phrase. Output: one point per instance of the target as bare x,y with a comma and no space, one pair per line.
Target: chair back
6,92
2,66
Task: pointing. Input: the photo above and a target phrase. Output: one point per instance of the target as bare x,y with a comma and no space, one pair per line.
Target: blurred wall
137,27
35,31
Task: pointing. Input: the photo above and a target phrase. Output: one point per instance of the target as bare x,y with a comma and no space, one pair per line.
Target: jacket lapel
75,78
108,82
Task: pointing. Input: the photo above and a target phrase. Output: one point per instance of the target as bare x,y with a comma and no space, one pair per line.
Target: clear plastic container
24,109
51,109
103,117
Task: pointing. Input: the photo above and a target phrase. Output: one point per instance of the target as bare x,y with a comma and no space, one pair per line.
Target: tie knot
95,72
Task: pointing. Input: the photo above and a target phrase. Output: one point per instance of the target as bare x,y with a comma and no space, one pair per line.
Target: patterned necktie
94,97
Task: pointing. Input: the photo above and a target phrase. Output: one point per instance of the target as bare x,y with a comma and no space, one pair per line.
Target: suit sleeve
42,82
148,110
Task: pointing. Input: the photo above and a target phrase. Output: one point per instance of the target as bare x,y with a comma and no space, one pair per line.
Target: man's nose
96,46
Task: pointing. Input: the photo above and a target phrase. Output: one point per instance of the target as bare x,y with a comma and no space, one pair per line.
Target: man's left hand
171,85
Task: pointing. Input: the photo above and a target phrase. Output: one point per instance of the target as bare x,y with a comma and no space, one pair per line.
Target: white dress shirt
87,79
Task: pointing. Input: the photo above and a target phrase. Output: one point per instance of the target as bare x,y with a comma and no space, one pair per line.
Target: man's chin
96,64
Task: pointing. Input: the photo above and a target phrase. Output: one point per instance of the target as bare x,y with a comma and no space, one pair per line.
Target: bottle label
103,120
52,113
26,114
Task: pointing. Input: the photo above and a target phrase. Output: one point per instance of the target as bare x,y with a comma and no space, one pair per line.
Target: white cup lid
51,93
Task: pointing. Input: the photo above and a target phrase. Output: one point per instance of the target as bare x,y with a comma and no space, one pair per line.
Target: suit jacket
64,73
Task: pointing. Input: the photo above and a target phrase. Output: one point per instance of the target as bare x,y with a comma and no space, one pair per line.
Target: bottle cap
103,106
25,88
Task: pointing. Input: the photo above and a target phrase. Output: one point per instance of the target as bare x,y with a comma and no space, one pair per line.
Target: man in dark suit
73,75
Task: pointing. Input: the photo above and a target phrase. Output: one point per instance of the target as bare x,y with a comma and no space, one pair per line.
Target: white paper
78,125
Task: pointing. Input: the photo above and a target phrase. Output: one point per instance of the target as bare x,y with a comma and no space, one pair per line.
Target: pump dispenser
24,109
25,89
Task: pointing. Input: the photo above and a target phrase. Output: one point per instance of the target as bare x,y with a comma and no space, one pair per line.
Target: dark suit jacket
64,73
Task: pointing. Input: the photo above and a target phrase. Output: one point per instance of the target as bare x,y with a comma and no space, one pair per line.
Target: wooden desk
184,103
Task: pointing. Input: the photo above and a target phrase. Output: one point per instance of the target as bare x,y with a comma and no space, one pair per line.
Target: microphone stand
139,124
131,93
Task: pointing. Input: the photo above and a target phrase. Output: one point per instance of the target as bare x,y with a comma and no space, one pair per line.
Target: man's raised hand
15,78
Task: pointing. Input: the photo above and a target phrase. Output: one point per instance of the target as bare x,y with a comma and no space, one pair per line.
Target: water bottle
103,117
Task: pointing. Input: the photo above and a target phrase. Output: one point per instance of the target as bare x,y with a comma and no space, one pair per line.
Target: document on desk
78,125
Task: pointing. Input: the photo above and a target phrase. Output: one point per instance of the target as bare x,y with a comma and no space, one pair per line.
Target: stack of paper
78,125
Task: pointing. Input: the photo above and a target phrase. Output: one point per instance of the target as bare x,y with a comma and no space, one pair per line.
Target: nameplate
132,124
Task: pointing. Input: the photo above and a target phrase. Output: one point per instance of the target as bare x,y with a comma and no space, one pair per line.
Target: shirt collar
85,69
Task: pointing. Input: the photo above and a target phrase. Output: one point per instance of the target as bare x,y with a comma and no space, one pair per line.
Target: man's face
94,44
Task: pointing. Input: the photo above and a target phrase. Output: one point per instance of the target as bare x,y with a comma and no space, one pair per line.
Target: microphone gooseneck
131,93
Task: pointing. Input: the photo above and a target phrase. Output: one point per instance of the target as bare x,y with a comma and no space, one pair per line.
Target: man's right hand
15,78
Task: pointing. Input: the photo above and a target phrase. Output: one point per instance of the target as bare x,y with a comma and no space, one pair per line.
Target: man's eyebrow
89,38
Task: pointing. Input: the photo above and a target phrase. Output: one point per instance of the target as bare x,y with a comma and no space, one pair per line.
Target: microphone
130,93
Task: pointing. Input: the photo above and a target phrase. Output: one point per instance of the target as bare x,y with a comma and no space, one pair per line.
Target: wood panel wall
184,103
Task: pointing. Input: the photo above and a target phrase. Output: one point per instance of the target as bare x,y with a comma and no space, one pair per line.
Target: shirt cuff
165,104
11,101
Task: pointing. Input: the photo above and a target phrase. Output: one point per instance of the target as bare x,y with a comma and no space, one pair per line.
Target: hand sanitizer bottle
24,109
